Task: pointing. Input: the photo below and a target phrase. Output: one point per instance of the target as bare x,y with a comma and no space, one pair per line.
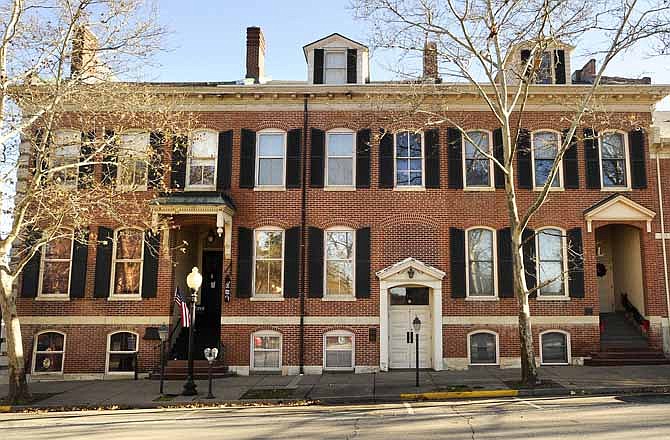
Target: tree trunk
18,387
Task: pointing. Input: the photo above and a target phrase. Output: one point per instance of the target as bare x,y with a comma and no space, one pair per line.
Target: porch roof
618,207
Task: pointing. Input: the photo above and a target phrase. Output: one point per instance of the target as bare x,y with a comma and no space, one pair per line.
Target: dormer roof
330,39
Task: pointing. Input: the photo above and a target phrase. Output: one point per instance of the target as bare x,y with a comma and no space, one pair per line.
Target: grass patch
34,398
544,383
268,393
165,398
459,387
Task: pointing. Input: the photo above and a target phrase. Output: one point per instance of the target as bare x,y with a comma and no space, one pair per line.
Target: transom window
550,262
481,269
269,262
338,350
270,158
56,265
202,159
266,350
340,158
132,160
545,149
554,346
48,353
66,154
483,348
127,262
477,165
614,167
335,66
408,159
339,263
122,352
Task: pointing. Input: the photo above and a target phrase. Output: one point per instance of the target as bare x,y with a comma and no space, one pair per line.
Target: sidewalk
352,388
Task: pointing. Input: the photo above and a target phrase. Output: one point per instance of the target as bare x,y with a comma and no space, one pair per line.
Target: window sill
484,365
553,189
339,188
127,188
120,373
479,189
552,298
124,298
344,298
200,188
409,188
554,364
267,298
615,189
269,188
52,298
482,298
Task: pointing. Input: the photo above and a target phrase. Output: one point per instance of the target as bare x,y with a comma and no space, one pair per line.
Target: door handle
410,337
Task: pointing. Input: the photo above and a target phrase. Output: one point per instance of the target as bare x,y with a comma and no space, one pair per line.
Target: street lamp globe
163,332
416,324
194,279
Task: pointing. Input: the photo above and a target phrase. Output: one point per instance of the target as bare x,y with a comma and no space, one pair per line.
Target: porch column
383,326
437,326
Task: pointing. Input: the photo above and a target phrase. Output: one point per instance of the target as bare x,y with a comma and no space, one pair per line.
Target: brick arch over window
277,125
338,221
408,218
271,221
352,124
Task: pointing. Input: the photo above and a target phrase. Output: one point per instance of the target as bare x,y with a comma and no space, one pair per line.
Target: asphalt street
595,418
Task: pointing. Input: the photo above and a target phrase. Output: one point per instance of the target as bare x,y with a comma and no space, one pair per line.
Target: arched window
339,262
554,347
338,350
340,155
122,348
127,257
551,262
270,158
266,350
49,352
67,151
408,159
483,348
201,165
132,160
615,168
480,246
268,262
56,268
545,149
477,167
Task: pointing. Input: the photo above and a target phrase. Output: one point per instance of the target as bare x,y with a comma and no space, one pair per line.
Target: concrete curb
443,395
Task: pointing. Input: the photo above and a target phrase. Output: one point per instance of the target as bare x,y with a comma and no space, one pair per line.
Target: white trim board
95,320
514,320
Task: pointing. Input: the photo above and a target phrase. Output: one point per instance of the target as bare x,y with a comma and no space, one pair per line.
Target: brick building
396,223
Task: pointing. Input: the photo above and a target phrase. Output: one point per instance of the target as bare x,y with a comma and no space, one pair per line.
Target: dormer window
335,66
551,69
544,72
336,59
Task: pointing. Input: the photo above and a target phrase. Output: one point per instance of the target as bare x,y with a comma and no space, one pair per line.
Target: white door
403,340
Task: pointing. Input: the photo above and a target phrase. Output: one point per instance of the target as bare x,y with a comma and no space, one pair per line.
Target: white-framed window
338,350
132,160
339,263
122,348
545,72
555,347
268,262
201,164
266,350
270,158
477,168
614,164
408,159
551,256
56,268
127,258
340,158
480,243
483,348
66,154
49,352
335,66
545,146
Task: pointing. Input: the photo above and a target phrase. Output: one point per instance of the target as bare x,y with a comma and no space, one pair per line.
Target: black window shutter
575,263
559,66
523,161
291,262
352,58
247,159
85,172
245,246
505,279
455,158
103,262
178,162
525,55
318,66
363,158
224,160
152,242
592,159
432,155
109,159
499,154
528,245
293,153
315,256
386,166
570,164
636,151
155,171
457,262
31,271
363,263
317,158
79,269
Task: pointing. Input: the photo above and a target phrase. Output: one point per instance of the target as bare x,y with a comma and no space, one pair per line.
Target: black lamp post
416,324
210,355
162,334
193,281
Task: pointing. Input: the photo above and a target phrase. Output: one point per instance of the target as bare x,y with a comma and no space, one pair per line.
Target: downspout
303,235
663,244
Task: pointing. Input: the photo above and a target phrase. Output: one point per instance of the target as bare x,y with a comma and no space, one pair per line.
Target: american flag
183,306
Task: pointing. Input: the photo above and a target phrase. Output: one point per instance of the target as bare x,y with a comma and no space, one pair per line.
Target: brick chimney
84,53
430,71
255,54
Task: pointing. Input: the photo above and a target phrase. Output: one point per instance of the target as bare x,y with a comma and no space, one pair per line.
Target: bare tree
478,45
73,64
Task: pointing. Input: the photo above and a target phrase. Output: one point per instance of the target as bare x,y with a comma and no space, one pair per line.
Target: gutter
303,234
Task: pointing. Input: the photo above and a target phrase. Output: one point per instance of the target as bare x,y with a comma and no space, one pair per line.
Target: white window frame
123,297
282,185
564,255
268,297
189,158
494,252
497,339
626,153
395,162
62,296
560,186
77,158
252,354
568,347
491,185
327,297
124,152
353,159
353,350
326,51
62,353
109,352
